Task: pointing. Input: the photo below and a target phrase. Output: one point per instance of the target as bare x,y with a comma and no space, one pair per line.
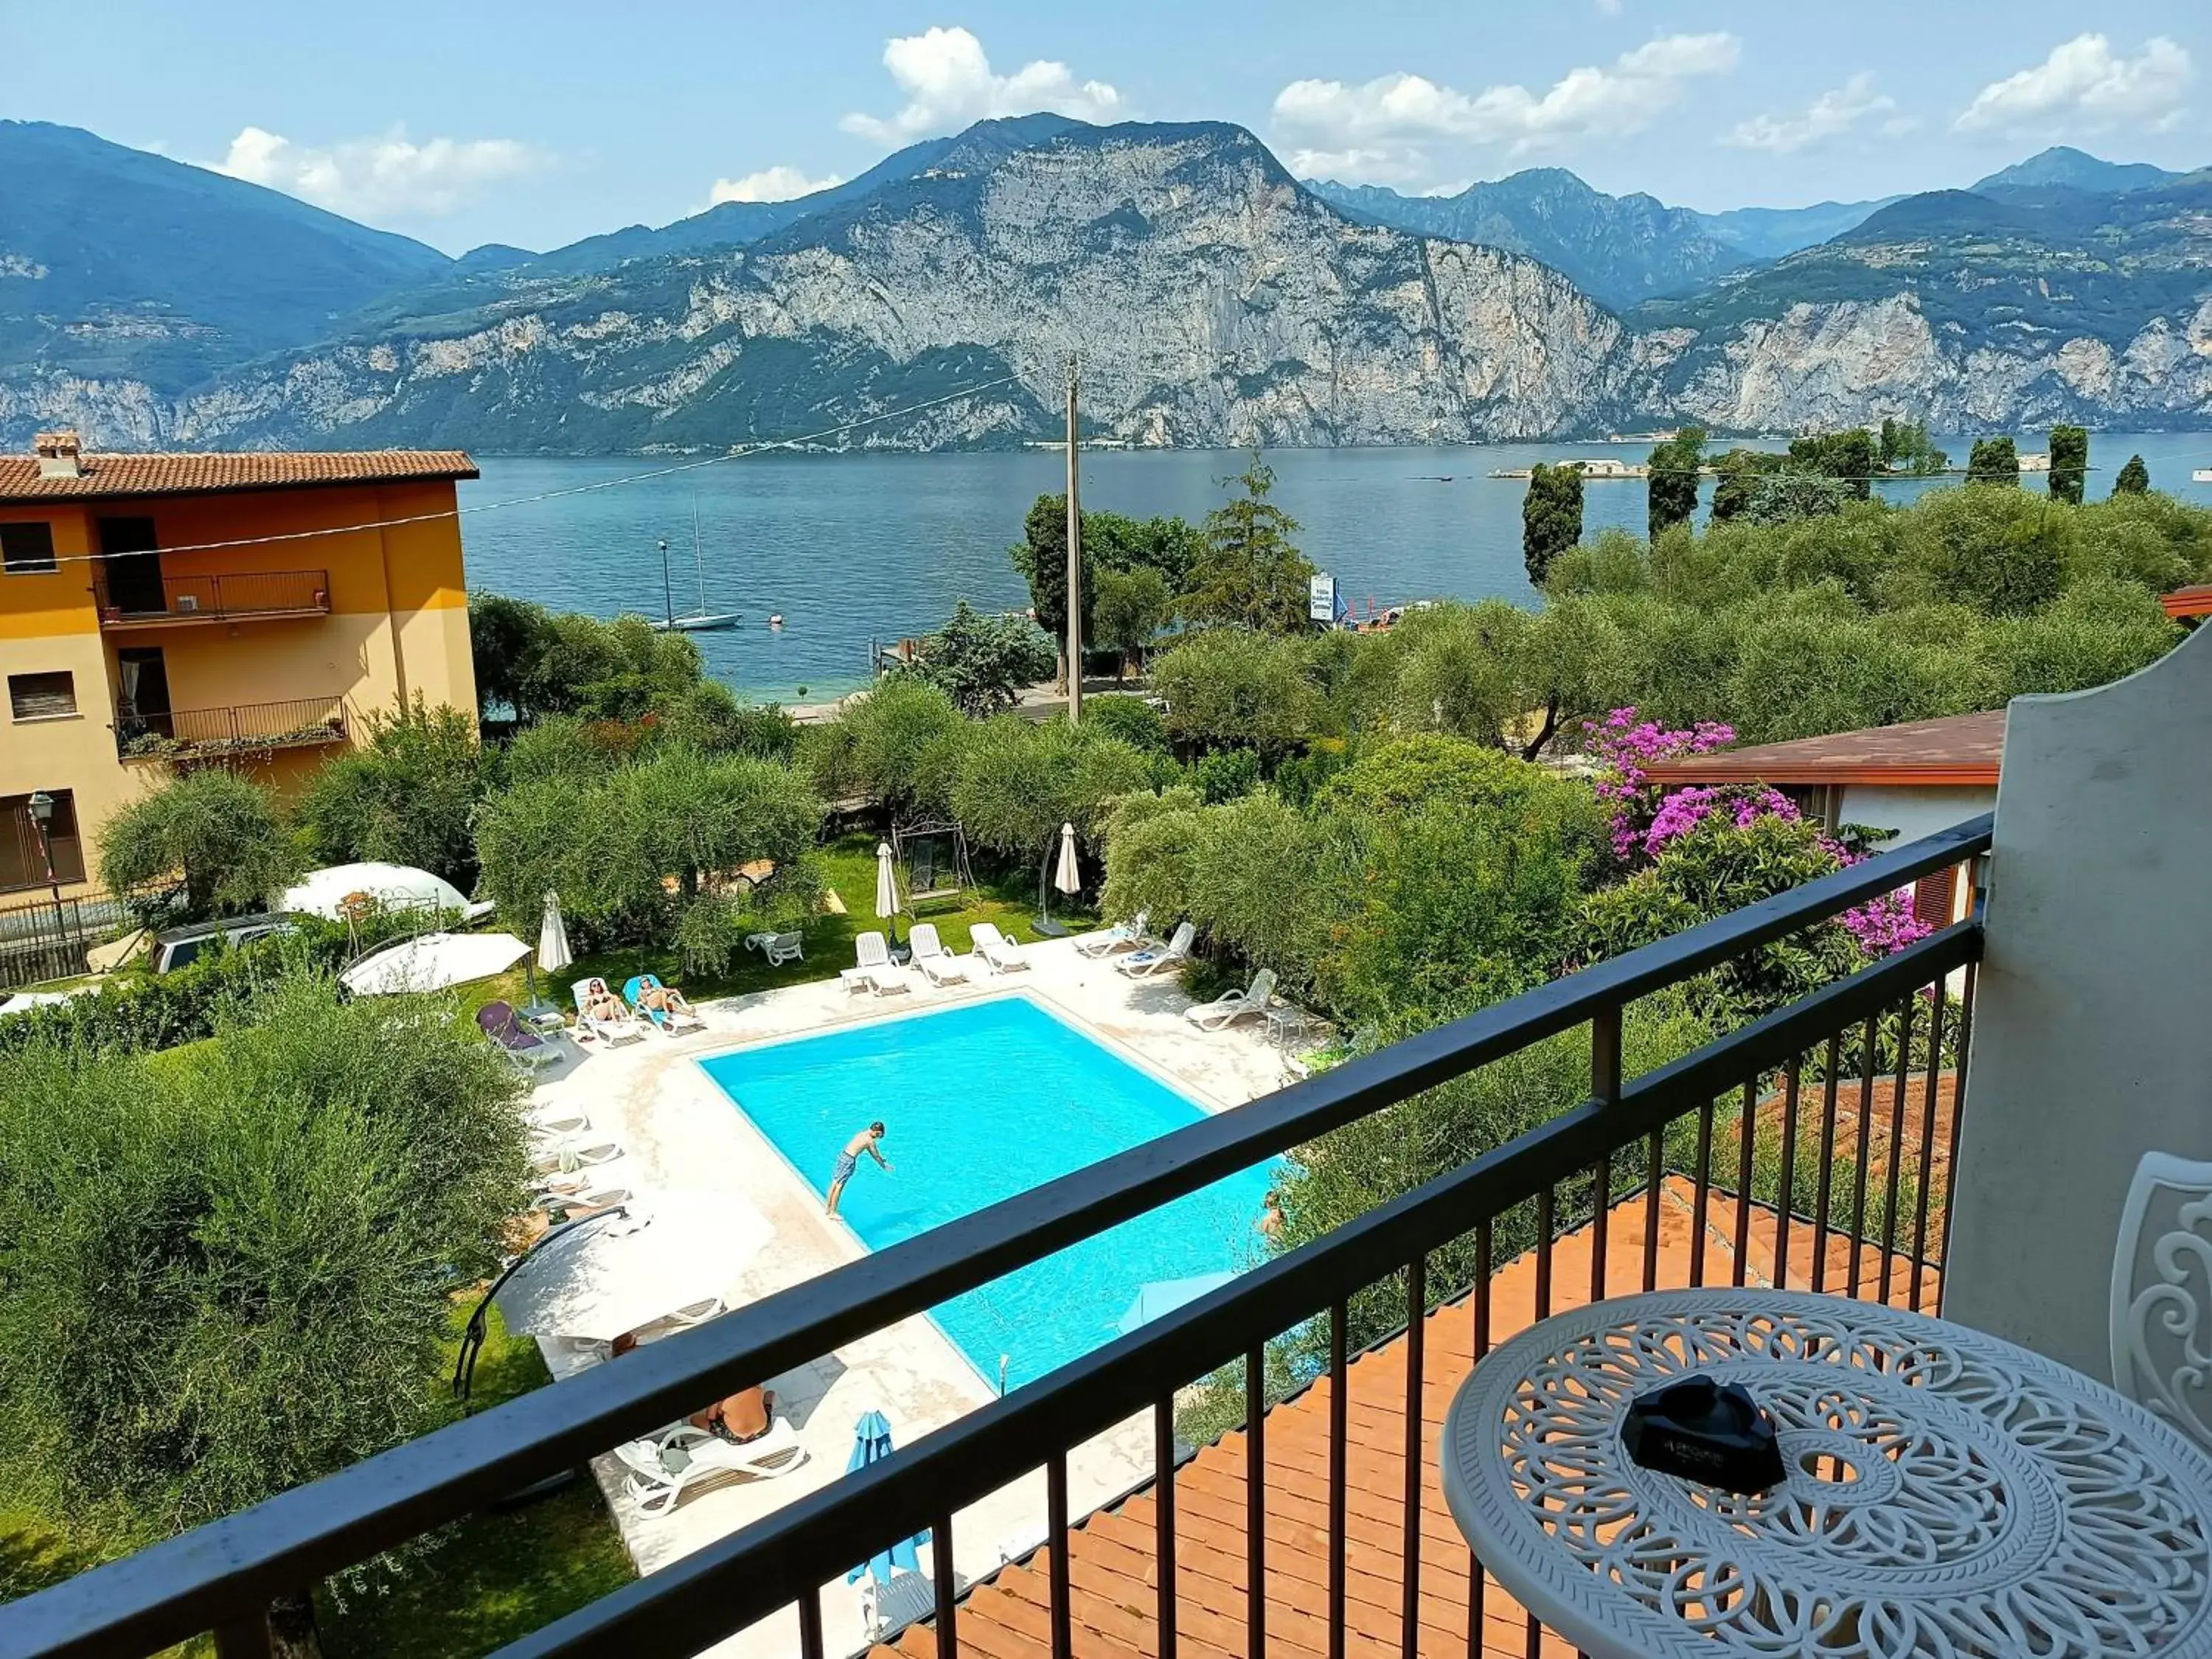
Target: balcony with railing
237,729
184,601
1816,1148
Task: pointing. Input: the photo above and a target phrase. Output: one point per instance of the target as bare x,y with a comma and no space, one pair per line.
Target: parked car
180,947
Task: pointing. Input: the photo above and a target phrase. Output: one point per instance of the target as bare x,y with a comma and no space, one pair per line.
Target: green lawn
848,865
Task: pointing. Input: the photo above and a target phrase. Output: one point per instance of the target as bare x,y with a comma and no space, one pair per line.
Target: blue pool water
979,1103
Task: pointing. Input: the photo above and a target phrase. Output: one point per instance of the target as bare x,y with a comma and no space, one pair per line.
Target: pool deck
680,1134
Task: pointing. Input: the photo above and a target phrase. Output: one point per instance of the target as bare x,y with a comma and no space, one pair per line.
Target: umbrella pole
1043,920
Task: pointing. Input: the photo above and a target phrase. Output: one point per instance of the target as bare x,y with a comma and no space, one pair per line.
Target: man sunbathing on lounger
601,1004
848,1160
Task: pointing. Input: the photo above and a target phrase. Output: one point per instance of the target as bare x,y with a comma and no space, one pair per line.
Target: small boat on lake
702,621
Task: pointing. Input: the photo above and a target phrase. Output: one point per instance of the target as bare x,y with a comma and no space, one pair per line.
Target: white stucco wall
2091,1043
1912,812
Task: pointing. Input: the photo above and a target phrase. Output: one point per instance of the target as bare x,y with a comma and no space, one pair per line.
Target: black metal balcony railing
1626,1139
213,598
295,723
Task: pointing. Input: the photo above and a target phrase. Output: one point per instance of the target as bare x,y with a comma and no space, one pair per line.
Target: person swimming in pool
869,1140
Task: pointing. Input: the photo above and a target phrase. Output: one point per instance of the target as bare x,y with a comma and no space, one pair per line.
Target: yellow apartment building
250,609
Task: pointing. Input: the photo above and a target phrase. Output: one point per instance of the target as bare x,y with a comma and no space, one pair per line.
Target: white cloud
776,183
380,177
948,83
1386,128
1608,8
2082,85
1834,112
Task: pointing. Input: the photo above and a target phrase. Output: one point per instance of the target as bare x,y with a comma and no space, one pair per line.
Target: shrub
405,798
982,663
1234,687
891,729
1132,720
1226,774
212,827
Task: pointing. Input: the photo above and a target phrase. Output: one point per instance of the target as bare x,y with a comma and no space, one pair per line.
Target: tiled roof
1958,749
1111,1554
104,475
2195,600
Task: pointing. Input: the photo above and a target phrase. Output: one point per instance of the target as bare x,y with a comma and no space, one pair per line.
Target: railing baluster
1601,1224
1163,1461
1055,1521
1547,1206
1339,1412
1896,1148
1417,1307
943,1581
1477,1590
246,1638
1958,1111
1821,1197
1785,1196
1701,1206
1655,1166
1747,1129
1869,1057
1256,1502
1927,1173
809,1622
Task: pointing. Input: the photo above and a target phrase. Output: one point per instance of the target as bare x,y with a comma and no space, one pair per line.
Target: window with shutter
26,548
42,696
1932,895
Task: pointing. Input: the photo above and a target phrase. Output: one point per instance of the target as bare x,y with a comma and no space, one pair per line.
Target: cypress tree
1995,461
2069,463
1550,517
1674,483
2134,479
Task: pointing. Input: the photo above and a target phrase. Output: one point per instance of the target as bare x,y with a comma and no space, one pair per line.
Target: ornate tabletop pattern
1946,1494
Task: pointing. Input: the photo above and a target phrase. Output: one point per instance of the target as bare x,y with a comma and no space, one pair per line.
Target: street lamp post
667,593
42,814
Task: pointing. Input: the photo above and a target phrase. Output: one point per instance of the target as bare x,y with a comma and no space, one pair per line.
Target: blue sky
538,123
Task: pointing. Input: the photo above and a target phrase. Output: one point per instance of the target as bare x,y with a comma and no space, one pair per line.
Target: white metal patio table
1945,1493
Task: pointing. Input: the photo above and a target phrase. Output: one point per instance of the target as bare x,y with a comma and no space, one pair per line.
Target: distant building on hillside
1914,778
248,610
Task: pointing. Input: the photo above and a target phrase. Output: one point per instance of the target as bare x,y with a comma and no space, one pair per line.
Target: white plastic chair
1000,954
1233,1006
1143,964
683,1459
2161,1300
874,964
1110,939
939,964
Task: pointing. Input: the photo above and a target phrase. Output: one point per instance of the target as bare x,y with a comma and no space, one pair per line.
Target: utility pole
1074,557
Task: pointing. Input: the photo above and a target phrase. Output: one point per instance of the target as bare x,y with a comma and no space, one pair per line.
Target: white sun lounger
938,964
627,1029
681,1458
568,1153
1143,964
1233,1006
889,1607
1000,954
560,1196
557,1119
1110,939
874,967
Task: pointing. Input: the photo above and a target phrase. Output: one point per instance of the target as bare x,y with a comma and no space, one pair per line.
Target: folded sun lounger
1233,1006
1118,937
667,1019
1143,964
678,1460
1000,954
939,964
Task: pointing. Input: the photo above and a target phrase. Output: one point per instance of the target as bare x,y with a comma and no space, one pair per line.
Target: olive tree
405,796
218,832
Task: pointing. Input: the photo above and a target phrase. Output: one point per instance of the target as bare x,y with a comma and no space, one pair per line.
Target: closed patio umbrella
1067,875
887,893
872,1443
553,951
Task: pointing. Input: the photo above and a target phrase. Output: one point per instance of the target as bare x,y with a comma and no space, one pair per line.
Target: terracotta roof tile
1112,1559
1958,749
2195,600
104,476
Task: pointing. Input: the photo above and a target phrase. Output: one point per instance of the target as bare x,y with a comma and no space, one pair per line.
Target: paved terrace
681,1134
1112,1558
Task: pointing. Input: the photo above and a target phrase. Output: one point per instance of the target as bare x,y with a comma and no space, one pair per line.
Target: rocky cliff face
1213,300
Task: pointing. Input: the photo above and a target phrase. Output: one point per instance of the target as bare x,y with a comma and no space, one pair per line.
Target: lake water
848,548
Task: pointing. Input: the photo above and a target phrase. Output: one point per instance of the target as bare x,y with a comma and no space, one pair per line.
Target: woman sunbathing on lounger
664,1000
601,1004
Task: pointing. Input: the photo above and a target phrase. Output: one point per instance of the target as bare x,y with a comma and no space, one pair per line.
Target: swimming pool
980,1102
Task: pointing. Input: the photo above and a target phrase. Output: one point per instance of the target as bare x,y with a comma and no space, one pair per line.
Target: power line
736,454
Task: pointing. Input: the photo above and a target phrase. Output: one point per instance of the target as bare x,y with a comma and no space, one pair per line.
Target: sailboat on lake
702,621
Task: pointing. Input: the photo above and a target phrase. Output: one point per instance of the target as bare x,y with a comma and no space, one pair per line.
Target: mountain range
1214,298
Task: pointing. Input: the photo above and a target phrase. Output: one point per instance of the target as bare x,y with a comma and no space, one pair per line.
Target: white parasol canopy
553,951
1067,875
393,886
887,893
611,1276
432,961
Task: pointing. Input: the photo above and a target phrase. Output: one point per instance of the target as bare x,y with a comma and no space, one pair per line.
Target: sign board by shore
1321,597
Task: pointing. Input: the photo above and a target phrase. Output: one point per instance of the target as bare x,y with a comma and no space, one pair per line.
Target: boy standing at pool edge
849,1159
